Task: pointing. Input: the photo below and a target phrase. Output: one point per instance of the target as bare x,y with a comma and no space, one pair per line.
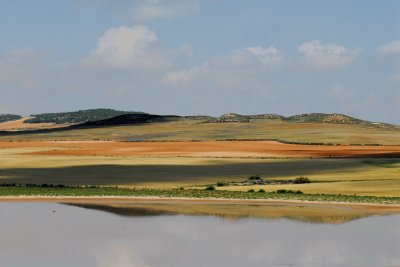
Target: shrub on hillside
284,191
302,180
254,178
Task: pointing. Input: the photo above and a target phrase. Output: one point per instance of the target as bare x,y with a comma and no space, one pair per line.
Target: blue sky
202,56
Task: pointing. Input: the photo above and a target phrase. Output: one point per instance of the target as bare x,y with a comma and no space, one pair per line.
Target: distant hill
105,117
266,117
9,117
130,119
80,116
326,118
199,117
301,118
231,117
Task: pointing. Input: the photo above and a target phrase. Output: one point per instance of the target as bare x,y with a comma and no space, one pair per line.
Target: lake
52,235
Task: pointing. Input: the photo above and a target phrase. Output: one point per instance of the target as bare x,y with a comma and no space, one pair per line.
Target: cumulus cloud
144,10
231,66
391,48
318,56
127,48
390,53
267,57
121,256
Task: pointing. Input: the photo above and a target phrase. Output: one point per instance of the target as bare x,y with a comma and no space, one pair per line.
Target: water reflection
297,212
32,234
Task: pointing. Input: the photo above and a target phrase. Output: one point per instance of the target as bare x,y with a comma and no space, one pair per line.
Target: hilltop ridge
130,119
325,117
9,117
104,116
80,116
334,118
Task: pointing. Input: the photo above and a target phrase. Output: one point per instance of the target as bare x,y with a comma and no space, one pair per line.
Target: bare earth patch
21,125
231,149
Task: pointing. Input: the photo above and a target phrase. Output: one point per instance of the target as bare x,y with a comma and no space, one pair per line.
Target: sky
206,57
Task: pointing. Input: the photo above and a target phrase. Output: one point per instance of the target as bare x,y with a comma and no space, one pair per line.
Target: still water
52,235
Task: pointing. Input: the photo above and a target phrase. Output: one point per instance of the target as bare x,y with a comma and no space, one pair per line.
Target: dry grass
187,130
210,149
190,164
20,125
359,188
342,176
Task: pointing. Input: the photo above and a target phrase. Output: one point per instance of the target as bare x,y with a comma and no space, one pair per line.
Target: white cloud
182,76
268,57
389,48
127,48
231,66
390,53
121,256
319,56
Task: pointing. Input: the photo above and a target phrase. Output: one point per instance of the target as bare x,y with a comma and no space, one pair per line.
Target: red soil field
201,149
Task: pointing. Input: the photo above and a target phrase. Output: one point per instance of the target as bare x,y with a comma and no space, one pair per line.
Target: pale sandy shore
154,200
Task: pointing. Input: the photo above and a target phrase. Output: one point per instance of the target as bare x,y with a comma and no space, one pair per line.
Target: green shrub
220,184
284,191
281,191
254,178
302,180
210,187
250,191
261,191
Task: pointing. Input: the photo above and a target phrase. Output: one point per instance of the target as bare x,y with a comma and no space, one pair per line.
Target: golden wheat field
196,164
189,130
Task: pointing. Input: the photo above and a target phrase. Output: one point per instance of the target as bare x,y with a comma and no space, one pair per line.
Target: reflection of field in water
313,213
60,235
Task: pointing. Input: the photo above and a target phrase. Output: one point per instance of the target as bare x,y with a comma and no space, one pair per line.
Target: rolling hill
9,117
326,118
76,117
313,128
129,119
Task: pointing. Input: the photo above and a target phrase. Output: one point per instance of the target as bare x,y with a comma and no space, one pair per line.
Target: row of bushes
256,179
280,191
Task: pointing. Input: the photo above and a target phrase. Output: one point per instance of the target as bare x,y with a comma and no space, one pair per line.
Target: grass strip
192,193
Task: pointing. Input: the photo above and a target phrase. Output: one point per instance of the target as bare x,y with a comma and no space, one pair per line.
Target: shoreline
185,200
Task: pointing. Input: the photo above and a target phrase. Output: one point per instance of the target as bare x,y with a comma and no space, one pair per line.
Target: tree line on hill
100,114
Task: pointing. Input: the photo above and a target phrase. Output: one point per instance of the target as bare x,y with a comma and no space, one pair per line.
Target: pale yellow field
187,130
345,176
172,165
19,125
